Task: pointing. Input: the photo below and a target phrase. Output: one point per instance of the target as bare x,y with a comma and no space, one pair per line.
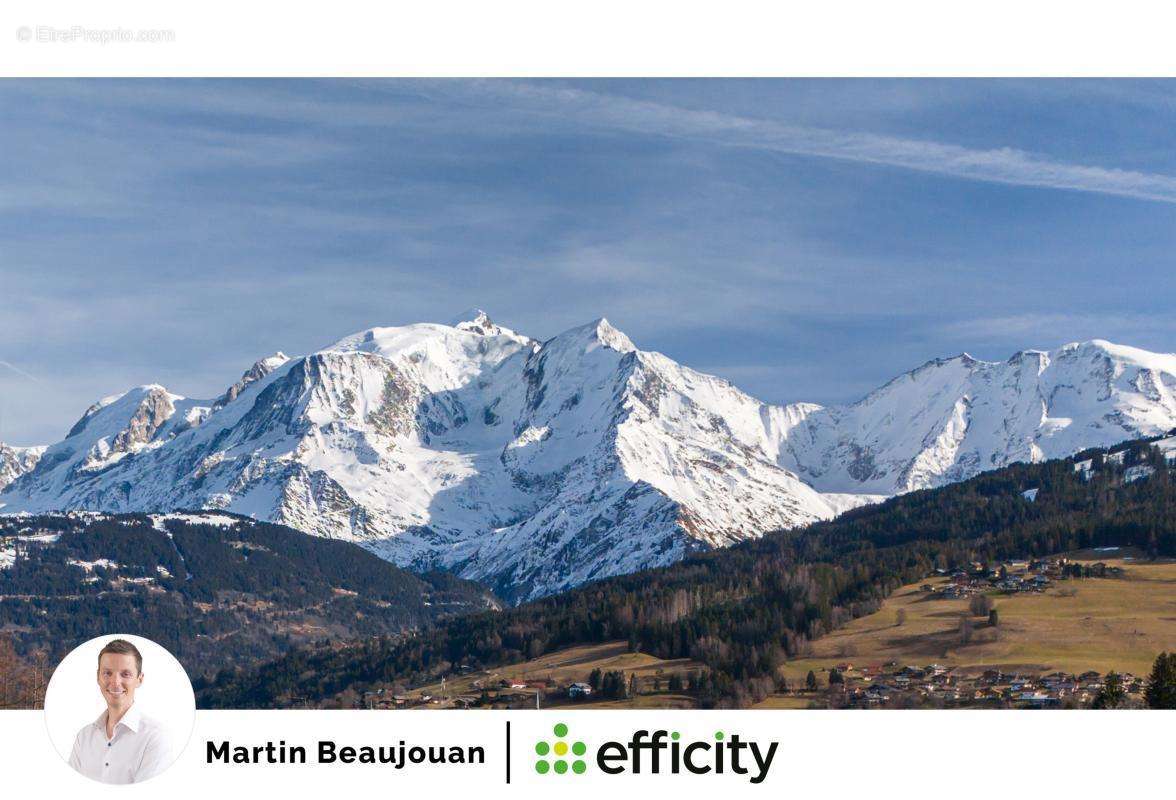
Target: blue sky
807,240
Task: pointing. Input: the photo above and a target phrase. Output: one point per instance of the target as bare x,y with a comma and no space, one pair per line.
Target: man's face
118,678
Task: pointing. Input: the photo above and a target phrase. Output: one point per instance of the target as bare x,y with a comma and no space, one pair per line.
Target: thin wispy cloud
13,368
1003,165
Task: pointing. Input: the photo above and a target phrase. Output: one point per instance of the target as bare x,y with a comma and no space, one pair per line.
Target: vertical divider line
508,751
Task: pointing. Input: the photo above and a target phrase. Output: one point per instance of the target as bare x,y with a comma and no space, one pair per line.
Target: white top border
530,38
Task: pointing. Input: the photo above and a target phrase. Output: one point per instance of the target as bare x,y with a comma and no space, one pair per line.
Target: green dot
719,735
541,767
561,729
675,736
578,748
542,747
561,766
578,767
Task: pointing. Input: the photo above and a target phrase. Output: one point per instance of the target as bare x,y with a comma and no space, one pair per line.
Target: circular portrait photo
120,709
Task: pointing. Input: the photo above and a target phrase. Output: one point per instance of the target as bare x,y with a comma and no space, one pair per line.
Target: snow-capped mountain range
535,467
953,418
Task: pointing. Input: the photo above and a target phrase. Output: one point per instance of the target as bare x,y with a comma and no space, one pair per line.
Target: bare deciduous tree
22,680
965,630
980,605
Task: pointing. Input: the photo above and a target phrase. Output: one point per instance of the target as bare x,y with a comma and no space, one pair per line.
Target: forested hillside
744,610
214,589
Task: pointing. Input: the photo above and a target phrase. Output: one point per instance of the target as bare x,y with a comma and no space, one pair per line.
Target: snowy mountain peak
613,338
269,363
259,370
1038,359
472,319
586,338
475,320
113,413
114,428
479,335
1095,344
1134,356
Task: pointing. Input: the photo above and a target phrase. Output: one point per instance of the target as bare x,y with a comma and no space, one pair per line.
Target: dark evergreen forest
226,595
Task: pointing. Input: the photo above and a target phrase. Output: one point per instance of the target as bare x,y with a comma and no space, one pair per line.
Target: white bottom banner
888,754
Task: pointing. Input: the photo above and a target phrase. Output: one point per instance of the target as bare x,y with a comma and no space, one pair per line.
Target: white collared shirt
138,750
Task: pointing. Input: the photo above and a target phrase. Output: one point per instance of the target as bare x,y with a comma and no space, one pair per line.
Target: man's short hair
123,648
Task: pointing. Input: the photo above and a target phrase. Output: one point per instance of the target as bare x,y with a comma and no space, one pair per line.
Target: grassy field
1096,623
1118,623
572,665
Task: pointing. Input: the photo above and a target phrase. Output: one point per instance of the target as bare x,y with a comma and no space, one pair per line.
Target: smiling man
122,745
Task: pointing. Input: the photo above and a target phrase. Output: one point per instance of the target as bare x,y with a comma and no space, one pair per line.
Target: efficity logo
559,749
656,752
